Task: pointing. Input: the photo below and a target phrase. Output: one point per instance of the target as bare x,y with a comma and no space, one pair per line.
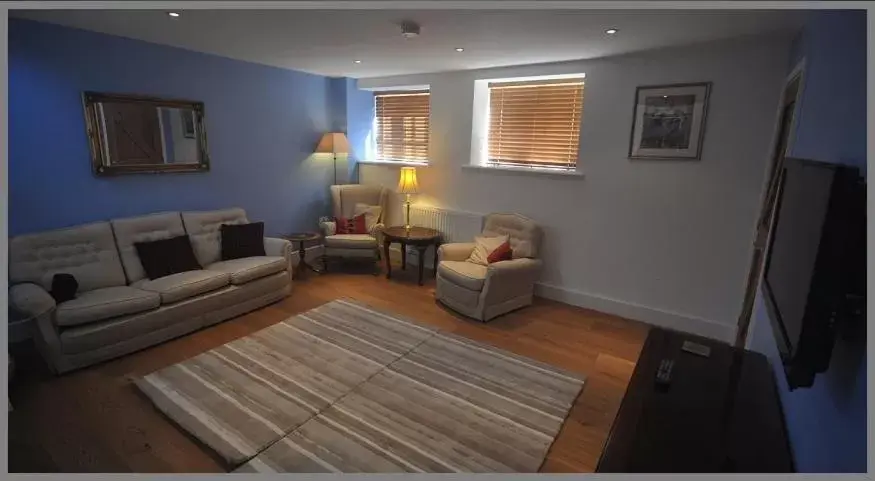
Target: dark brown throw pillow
242,240
164,257
64,287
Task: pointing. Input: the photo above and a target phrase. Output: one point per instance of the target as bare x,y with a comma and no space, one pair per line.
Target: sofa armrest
279,247
30,299
33,301
509,279
459,251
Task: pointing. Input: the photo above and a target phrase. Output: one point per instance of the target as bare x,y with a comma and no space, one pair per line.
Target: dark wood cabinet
719,413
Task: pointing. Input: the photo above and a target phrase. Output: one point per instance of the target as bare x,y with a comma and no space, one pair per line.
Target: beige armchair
347,200
484,292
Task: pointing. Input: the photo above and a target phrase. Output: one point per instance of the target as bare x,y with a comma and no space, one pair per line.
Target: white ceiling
327,42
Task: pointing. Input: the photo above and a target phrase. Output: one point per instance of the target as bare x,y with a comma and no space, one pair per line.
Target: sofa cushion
64,287
465,274
87,252
101,334
241,240
203,228
177,287
351,241
131,230
165,257
249,268
104,303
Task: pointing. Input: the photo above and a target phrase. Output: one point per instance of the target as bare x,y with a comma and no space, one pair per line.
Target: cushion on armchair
371,212
485,246
353,225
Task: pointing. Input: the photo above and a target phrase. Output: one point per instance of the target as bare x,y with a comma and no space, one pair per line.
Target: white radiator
455,225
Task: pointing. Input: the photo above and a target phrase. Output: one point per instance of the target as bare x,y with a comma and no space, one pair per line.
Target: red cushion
353,225
501,253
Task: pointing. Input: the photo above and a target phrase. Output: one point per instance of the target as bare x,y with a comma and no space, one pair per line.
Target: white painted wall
665,242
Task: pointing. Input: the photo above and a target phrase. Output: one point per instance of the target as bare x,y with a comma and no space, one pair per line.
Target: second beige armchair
484,292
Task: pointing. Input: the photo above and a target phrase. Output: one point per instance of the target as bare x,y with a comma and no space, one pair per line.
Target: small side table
419,237
302,238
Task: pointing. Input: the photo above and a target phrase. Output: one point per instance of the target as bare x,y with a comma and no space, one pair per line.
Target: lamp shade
333,143
407,183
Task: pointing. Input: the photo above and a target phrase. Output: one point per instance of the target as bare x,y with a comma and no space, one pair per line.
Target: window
535,123
402,126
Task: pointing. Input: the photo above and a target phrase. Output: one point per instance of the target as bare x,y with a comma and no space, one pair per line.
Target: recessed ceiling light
173,14
460,49
611,31
357,61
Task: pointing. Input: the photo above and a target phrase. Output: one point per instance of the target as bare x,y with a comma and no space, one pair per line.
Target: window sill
401,163
526,171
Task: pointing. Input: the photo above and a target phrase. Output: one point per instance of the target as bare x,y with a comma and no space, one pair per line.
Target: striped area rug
347,388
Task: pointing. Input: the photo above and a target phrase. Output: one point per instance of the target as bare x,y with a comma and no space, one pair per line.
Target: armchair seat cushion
351,241
248,269
105,303
177,287
462,273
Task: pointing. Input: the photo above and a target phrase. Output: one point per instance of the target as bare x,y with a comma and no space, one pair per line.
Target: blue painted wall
352,112
360,122
827,423
263,124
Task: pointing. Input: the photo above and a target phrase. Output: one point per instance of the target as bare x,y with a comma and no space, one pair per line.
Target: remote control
663,372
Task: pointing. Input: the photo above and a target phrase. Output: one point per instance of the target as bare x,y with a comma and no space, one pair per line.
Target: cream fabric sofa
344,199
118,310
484,292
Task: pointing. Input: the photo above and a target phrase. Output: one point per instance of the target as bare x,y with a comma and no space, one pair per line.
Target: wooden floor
94,420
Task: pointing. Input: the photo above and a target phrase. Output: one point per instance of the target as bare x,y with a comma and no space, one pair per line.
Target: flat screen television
815,271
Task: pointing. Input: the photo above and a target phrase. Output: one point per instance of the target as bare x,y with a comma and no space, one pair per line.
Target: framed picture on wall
669,121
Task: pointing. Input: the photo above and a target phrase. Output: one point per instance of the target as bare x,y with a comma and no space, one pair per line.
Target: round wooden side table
301,238
419,237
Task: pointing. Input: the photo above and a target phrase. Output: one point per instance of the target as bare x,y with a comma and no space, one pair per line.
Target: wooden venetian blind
402,126
535,124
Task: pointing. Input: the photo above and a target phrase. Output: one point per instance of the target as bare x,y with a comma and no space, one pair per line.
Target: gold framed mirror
134,134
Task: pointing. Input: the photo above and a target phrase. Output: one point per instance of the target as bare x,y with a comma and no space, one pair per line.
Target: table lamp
407,185
333,143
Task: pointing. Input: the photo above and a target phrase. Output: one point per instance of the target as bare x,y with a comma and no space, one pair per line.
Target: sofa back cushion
524,234
203,229
88,252
130,230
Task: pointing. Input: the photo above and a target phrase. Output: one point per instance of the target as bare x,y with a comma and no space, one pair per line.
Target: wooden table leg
403,257
421,250
386,245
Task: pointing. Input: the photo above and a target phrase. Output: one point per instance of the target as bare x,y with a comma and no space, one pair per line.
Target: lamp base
407,202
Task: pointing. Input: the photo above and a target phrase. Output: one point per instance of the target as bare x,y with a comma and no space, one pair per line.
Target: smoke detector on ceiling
409,29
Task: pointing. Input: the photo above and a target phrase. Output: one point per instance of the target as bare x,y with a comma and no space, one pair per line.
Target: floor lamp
333,143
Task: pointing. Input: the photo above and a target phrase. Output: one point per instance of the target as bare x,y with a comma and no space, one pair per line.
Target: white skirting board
648,315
